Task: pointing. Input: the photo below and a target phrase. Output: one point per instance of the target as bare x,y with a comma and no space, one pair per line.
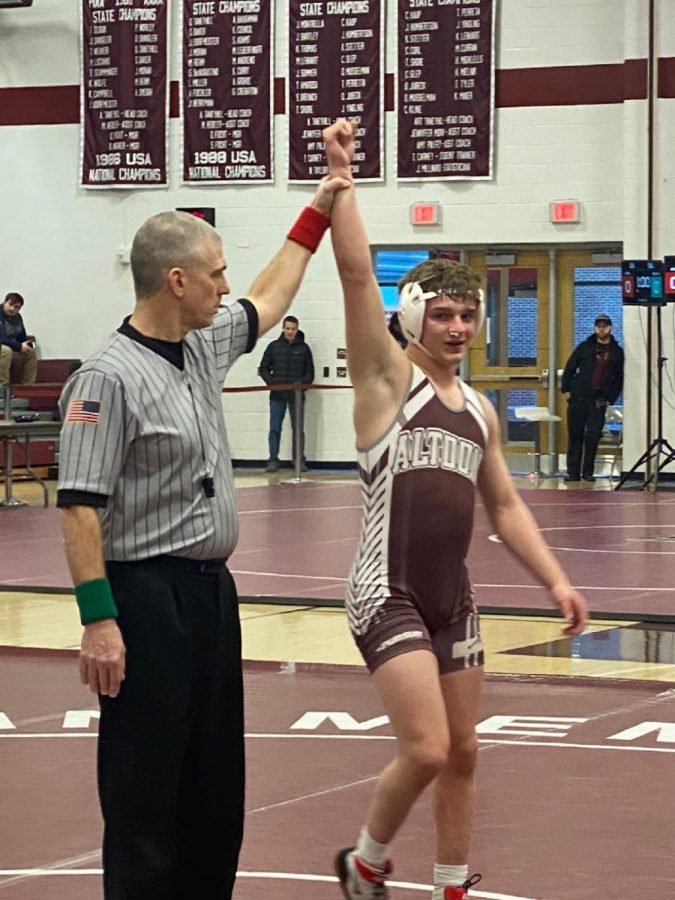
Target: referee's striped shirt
143,426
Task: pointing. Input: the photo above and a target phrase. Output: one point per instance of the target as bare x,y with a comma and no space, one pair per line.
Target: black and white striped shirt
143,426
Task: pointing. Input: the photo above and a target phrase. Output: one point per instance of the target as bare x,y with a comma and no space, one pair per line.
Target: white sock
371,851
448,876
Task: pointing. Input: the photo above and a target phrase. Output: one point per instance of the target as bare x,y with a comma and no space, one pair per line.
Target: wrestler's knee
427,755
463,754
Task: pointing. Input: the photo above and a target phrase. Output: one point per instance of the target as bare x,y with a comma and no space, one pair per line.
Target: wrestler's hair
443,274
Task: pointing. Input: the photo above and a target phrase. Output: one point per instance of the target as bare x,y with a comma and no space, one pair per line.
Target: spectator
592,380
14,343
288,360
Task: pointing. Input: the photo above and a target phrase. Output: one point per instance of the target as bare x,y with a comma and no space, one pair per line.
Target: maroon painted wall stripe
546,86
174,99
572,85
279,96
53,105
635,75
389,92
667,77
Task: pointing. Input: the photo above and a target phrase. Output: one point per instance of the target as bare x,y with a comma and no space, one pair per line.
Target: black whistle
208,486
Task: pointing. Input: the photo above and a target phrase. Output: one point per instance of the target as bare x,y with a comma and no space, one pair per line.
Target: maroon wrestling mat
573,794
297,542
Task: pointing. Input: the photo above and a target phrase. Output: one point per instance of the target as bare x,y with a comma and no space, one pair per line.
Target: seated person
14,343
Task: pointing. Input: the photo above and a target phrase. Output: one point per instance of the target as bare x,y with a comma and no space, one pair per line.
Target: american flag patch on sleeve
86,411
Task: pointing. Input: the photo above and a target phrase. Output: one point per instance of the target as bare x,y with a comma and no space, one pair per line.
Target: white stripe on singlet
472,646
474,405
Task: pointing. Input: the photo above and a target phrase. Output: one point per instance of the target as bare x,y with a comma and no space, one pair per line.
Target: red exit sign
565,212
425,213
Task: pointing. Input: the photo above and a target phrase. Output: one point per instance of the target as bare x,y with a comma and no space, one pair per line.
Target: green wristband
95,600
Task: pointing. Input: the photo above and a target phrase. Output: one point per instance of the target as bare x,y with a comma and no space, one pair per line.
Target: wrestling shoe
459,893
358,880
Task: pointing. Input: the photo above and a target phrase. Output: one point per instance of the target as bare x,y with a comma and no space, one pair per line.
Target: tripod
659,450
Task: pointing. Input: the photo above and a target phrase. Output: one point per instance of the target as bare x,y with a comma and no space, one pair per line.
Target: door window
512,311
597,289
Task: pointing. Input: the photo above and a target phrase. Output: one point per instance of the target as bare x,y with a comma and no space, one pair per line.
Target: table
538,415
11,431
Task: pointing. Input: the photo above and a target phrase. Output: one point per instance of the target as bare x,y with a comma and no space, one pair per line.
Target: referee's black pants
171,745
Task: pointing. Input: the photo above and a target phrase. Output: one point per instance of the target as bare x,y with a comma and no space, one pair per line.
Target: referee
149,518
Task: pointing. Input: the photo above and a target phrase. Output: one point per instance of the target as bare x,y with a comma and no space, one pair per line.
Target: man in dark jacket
288,360
592,380
14,343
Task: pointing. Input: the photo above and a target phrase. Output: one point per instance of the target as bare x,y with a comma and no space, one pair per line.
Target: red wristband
309,228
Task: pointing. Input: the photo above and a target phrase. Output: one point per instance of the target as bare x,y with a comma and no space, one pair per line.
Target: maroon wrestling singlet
409,587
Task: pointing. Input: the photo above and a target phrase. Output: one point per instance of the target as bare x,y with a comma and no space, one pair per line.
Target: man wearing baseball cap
592,380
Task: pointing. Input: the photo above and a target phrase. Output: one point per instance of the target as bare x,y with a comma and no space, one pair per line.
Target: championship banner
445,109
226,91
124,98
336,68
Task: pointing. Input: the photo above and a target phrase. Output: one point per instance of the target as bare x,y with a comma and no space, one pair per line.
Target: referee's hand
102,655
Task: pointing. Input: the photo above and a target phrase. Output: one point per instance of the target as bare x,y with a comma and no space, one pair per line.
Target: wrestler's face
450,324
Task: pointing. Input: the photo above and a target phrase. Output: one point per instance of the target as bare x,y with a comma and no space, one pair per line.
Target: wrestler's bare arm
378,367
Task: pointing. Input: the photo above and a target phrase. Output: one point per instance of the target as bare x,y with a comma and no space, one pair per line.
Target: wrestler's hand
339,143
572,607
328,187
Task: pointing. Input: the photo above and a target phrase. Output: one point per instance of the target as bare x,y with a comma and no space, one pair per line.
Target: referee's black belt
195,566
179,564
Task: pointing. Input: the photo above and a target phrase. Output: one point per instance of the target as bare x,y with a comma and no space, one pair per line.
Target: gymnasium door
510,358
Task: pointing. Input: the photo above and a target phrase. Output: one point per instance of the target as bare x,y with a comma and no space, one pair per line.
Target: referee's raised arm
273,290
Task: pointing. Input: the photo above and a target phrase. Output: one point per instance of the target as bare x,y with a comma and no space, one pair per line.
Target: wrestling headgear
412,300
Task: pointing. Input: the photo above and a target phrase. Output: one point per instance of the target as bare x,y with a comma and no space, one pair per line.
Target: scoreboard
669,277
642,282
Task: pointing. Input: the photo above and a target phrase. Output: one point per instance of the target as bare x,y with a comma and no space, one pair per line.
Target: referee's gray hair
166,240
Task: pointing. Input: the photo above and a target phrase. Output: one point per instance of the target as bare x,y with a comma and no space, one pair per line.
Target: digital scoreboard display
669,277
642,282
